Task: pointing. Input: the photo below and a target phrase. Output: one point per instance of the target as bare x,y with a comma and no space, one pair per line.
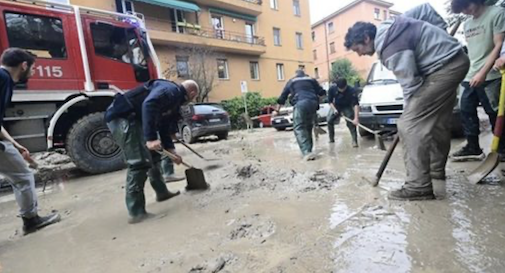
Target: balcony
249,7
165,32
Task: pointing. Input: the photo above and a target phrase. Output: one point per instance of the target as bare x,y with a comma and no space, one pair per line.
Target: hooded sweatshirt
415,47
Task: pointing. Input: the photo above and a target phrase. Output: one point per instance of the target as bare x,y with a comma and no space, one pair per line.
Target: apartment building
262,42
328,35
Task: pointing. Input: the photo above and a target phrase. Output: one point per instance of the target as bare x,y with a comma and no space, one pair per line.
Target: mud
268,211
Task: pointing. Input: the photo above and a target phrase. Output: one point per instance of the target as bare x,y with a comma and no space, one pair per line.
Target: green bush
235,108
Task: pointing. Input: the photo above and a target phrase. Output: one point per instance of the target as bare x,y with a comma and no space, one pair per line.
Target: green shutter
174,4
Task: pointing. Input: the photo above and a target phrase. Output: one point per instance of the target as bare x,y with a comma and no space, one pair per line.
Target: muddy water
267,211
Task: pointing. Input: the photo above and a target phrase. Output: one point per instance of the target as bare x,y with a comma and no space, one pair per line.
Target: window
299,40
280,72
331,27
332,48
125,6
255,70
377,14
274,4
313,36
316,72
122,45
43,36
296,8
222,69
277,36
182,66
385,15
314,54
217,24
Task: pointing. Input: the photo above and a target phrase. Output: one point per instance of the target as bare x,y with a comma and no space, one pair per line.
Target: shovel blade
484,169
380,142
320,130
196,180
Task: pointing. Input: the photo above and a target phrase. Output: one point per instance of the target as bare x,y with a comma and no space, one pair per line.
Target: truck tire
91,146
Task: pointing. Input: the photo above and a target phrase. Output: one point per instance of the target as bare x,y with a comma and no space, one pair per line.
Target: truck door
116,55
47,35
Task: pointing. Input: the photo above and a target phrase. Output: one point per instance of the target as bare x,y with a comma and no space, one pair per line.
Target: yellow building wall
363,11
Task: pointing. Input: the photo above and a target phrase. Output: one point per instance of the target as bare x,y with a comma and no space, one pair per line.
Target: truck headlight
365,108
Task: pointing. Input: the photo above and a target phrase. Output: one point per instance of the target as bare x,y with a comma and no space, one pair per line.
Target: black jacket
157,104
6,87
301,88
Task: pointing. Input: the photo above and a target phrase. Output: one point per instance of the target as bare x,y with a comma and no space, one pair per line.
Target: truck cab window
122,45
41,35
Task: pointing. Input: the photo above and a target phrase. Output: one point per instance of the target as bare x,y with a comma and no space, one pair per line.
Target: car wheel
187,135
221,136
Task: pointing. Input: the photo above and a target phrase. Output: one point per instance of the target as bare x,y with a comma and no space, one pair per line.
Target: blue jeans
470,100
303,120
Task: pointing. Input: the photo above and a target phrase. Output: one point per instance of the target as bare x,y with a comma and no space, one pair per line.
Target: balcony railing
194,29
257,2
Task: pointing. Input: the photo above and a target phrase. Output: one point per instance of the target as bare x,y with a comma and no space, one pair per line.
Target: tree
199,64
343,68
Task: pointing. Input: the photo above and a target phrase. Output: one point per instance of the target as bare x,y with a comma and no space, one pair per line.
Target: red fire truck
84,56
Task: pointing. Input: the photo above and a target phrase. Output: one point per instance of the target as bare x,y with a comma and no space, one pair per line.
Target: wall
363,11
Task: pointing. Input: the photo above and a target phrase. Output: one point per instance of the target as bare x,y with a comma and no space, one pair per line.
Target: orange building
328,35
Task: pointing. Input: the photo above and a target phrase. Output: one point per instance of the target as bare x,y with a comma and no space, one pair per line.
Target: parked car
284,119
381,102
265,117
203,119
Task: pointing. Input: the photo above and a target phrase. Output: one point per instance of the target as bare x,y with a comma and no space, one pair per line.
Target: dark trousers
334,118
486,95
141,163
304,116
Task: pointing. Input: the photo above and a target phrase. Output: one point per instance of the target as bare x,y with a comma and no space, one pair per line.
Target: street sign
243,87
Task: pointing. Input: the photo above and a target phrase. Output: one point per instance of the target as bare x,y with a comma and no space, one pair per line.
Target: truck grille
390,108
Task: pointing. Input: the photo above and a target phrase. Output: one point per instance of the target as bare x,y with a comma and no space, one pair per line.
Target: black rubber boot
35,223
404,194
164,197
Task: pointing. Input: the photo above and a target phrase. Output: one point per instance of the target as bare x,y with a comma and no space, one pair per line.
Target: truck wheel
187,135
91,146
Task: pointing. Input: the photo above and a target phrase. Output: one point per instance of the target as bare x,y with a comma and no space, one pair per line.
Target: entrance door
249,32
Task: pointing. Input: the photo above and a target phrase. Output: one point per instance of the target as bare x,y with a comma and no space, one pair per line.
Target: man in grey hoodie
429,64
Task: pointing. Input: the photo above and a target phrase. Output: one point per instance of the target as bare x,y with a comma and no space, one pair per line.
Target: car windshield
380,74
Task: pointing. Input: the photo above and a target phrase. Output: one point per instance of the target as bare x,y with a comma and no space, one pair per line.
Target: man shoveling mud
140,122
429,64
305,92
17,66
343,101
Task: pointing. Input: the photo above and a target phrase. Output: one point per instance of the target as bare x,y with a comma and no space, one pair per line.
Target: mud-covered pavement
267,211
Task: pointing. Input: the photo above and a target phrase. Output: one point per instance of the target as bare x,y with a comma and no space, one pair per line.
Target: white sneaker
309,157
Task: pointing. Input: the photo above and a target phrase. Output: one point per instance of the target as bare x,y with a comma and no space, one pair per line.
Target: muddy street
267,211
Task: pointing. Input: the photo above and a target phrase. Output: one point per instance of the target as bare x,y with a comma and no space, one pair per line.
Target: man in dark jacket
140,122
17,66
429,64
343,101
305,92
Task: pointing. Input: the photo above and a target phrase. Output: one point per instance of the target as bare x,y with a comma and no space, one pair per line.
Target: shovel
379,142
194,176
492,159
196,153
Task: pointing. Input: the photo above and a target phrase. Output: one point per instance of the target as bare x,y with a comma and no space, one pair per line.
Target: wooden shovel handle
385,162
173,157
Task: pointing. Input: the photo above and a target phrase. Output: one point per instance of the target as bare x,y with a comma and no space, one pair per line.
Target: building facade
328,36
262,42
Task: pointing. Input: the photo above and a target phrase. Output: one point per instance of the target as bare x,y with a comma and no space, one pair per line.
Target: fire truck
84,57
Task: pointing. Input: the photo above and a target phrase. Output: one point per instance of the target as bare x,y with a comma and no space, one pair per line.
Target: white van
381,102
